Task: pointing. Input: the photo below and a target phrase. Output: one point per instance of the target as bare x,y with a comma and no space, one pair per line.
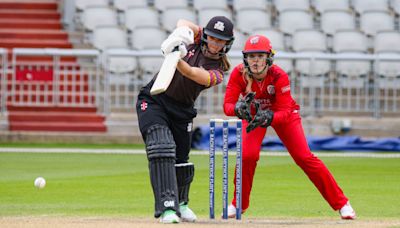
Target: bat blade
166,73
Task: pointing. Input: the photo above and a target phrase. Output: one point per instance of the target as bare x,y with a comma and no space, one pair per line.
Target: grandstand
77,65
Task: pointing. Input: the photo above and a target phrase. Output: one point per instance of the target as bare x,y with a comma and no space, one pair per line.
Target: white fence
55,77
112,80
3,80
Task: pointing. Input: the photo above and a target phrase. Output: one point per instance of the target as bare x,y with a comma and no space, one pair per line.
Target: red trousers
292,135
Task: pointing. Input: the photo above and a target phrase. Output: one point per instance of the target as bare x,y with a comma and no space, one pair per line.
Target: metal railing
111,81
56,77
4,80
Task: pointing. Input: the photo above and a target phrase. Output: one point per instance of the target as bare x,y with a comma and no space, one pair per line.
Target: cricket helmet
219,27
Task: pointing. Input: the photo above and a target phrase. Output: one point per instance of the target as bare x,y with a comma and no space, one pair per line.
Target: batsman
258,92
166,119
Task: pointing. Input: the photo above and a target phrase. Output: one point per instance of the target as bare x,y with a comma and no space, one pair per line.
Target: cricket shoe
187,215
232,211
347,212
169,216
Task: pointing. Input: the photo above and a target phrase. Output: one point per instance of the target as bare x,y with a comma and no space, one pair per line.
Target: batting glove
184,33
242,107
263,118
182,49
170,44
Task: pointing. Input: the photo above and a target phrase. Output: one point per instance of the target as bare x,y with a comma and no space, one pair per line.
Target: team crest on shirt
271,89
285,89
190,54
143,105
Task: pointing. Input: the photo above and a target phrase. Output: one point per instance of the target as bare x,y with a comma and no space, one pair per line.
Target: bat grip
175,49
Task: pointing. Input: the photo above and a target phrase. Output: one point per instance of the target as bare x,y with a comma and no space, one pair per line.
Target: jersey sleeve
284,100
234,88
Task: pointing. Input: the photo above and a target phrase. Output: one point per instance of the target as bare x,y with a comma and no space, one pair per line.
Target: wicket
225,151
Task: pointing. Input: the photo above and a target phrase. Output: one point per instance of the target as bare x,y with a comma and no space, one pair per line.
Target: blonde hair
226,65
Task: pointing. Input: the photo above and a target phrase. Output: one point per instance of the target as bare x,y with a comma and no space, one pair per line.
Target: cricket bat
166,73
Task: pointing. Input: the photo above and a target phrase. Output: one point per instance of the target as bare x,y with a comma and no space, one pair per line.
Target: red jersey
273,93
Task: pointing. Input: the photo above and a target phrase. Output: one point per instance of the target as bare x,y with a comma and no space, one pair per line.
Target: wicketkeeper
258,92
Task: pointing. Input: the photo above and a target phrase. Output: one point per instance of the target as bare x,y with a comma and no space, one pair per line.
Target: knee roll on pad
160,142
164,184
184,176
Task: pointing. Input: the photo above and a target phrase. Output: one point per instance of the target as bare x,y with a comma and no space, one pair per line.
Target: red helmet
257,43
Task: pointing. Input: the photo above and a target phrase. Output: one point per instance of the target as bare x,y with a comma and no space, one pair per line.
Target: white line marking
194,152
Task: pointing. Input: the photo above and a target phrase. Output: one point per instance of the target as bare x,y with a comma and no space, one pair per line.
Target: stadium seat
141,16
333,20
275,36
150,66
351,72
162,5
207,13
291,20
373,21
249,19
395,4
199,5
324,5
310,42
83,4
350,41
249,4
282,5
122,5
170,16
361,6
105,37
386,44
120,65
239,41
147,38
387,41
278,44
98,16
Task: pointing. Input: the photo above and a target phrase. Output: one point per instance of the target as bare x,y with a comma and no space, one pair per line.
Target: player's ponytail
226,65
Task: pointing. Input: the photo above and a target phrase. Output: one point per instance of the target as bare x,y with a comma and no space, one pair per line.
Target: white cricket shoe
169,216
187,215
347,212
231,211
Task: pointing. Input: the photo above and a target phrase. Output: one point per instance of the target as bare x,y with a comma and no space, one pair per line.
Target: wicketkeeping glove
242,107
262,118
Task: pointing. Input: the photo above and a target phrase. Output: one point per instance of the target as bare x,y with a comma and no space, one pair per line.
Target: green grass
71,145
118,185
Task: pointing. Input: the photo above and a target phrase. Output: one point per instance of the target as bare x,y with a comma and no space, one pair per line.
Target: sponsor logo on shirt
285,89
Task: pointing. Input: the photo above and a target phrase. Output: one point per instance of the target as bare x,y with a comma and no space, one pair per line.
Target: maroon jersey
185,90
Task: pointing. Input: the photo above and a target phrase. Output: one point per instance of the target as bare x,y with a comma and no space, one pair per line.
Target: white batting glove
185,33
182,49
170,44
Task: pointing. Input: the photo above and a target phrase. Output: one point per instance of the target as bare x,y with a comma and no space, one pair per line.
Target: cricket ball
40,182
